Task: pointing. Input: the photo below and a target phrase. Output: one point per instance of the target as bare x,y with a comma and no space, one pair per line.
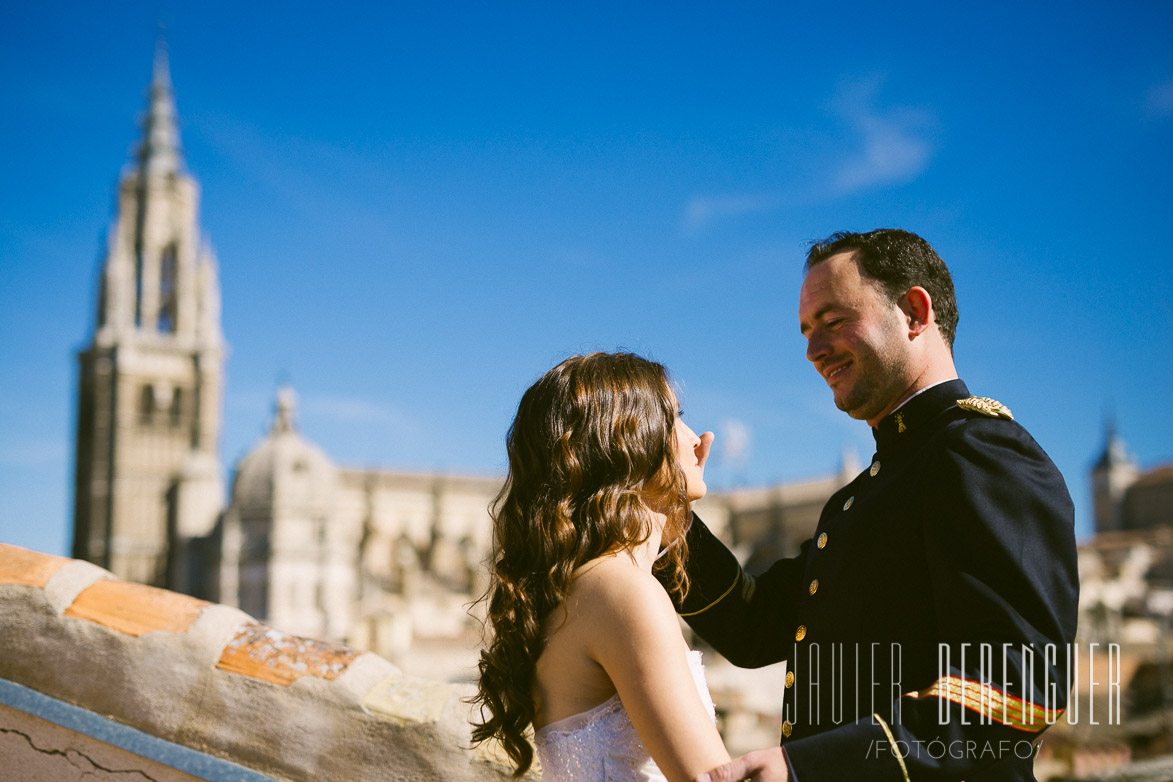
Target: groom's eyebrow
804,327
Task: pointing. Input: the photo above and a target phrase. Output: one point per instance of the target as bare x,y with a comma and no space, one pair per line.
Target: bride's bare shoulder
613,571
614,587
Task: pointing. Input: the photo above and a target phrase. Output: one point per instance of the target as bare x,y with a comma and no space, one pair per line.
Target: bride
584,644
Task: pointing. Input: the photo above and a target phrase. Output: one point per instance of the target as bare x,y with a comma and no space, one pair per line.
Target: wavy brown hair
592,454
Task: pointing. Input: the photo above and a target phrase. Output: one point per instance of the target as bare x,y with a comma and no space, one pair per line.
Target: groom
927,624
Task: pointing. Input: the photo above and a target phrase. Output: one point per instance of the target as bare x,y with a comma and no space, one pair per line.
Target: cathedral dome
285,470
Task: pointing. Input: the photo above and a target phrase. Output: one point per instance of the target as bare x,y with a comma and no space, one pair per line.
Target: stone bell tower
148,478
1113,473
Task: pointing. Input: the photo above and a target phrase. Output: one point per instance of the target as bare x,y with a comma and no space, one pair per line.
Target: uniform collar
911,420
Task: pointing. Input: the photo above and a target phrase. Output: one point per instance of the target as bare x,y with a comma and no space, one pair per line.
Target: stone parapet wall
211,678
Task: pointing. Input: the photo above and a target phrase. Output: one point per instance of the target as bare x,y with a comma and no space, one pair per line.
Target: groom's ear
917,306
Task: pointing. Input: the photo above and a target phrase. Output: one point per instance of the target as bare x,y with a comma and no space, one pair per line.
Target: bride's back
607,595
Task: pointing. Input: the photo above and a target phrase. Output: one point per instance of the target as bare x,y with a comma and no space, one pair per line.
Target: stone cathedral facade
386,561
377,558
147,473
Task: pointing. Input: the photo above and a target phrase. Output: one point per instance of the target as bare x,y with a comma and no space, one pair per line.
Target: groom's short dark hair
897,260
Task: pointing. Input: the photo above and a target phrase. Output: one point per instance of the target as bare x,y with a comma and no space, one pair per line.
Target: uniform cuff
859,750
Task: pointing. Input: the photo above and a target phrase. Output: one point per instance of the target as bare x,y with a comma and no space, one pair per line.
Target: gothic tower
148,478
1112,474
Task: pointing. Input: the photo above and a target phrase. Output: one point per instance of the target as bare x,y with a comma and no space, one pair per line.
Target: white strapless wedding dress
601,745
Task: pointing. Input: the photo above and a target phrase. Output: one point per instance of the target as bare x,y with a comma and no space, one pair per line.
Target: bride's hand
702,450
762,765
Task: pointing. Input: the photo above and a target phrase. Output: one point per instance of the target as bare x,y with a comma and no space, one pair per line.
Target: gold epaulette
994,705
986,406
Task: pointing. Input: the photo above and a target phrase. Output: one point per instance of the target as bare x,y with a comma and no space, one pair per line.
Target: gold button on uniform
875,468
789,679
800,633
814,586
787,728
849,503
823,540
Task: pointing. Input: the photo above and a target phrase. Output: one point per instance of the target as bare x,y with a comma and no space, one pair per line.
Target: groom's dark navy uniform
927,624
958,534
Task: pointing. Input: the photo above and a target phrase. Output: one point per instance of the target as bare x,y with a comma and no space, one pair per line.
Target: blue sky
417,210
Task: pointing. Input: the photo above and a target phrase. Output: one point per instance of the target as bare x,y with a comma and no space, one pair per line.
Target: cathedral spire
285,411
1115,451
1113,473
159,152
148,478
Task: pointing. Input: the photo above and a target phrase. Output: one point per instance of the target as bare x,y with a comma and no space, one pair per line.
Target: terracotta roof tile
265,653
136,609
21,567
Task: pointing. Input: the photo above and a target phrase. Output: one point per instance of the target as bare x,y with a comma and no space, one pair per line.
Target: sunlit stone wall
207,680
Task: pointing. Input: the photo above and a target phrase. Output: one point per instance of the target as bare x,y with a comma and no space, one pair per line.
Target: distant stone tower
148,478
1113,473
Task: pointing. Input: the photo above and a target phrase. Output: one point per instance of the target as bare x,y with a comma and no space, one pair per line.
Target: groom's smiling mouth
832,373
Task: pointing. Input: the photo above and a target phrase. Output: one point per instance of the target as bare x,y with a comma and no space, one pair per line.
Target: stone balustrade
187,689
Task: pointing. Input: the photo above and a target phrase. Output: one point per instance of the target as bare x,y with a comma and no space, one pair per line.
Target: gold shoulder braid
748,586
986,406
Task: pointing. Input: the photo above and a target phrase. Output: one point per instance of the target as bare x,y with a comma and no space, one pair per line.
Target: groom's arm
743,617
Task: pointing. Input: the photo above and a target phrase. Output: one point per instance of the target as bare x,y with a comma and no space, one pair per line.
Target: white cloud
1159,100
352,410
702,210
876,146
288,172
894,146
319,412
253,402
734,443
35,453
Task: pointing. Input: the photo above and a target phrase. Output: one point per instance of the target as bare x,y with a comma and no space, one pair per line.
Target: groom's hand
702,450
763,765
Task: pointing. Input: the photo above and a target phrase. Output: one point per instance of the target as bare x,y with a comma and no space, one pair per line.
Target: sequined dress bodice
601,745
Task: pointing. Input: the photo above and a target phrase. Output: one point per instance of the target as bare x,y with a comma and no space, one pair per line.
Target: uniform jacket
927,625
